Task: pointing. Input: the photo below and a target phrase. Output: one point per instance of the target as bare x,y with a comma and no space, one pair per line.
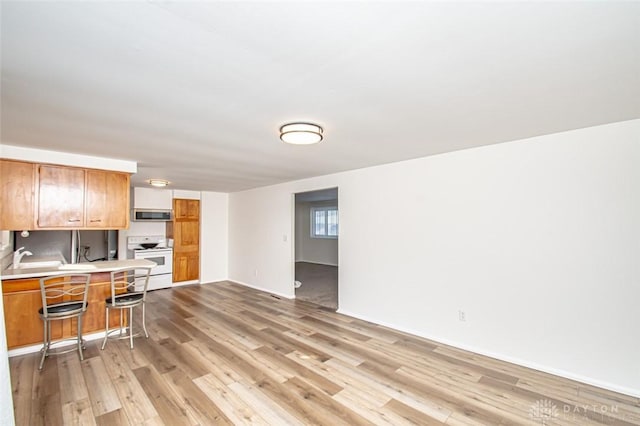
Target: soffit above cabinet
34,155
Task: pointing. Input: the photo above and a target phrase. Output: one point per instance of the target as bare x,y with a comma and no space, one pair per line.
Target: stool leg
131,327
80,337
144,325
45,346
106,327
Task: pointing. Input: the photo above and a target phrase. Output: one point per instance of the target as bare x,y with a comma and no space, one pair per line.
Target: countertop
85,268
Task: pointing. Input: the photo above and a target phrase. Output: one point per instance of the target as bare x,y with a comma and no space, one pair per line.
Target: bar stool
63,296
128,290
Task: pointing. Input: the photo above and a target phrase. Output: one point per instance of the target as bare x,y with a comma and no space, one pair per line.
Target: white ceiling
195,91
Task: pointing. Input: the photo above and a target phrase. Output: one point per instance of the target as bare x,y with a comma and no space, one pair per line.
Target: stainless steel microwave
151,215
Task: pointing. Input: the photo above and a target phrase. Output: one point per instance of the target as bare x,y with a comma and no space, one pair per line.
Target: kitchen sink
53,264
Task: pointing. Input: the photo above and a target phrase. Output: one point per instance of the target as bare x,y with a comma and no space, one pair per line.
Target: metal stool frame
63,296
128,290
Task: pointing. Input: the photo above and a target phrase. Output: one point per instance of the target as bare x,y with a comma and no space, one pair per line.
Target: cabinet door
60,197
107,199
16,197
94,319
187,209
186,236
186,266
186,251
22,300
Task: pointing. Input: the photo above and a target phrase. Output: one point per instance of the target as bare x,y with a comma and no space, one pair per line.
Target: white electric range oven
153,248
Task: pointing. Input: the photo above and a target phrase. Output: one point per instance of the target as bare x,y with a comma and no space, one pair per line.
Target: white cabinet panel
150,198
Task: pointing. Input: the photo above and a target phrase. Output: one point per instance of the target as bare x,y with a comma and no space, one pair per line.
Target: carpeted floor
319,284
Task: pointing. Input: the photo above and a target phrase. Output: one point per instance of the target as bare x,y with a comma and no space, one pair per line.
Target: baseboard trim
37,347
221,280
215,280
180,283
286,296
523,363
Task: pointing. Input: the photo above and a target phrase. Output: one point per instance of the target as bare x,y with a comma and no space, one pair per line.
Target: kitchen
146,237
213,205
150,234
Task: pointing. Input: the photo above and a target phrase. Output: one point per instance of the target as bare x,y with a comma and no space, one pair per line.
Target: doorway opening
316,247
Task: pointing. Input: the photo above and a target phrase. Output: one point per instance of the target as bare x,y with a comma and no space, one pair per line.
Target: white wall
260,247
536,240
141,229
214,237
315,250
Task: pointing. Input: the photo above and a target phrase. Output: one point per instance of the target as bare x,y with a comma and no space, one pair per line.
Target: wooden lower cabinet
186,266
22,300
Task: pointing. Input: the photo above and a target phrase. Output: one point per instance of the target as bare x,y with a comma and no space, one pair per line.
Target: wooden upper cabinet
60,197
16,196
107,199
43,196
186,209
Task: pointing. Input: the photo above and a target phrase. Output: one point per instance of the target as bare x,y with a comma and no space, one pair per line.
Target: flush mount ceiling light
301,133
160,183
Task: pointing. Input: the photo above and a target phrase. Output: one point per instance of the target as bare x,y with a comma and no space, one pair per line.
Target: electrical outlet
255,272
462,316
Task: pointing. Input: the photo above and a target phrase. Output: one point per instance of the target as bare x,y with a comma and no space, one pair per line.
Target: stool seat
129,298
64,308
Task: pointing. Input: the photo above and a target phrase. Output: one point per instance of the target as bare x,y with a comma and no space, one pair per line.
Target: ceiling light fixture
301,133
160,183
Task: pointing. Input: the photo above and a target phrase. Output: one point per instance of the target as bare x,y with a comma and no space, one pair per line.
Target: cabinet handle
95,220
73,220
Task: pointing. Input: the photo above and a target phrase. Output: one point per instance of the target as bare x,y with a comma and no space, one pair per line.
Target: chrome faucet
17,256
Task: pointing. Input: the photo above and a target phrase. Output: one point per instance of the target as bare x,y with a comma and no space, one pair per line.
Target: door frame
294,235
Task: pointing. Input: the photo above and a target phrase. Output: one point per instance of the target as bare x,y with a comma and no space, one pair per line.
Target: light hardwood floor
226,354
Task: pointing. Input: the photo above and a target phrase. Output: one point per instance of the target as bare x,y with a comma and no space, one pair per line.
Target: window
324,222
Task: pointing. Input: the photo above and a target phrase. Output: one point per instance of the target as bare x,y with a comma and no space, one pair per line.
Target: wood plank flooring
225,354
